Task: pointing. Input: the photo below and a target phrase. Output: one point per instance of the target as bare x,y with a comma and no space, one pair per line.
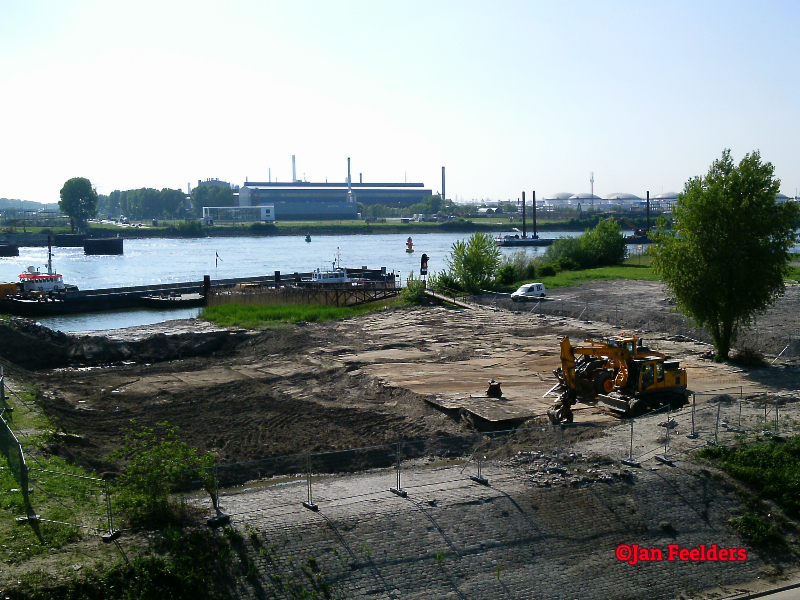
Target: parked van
529,291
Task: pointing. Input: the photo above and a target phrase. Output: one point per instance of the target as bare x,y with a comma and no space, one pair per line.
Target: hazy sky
508,96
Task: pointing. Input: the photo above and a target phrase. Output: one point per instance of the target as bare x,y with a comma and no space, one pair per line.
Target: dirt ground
394,375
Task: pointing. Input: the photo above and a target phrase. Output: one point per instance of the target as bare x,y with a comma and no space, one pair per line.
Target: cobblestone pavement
546,526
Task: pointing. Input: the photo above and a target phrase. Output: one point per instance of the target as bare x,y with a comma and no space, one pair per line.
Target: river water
154,261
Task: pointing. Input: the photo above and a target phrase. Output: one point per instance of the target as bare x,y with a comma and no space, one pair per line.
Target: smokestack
648,212
360,179
443,196
535,235
349,190
294,172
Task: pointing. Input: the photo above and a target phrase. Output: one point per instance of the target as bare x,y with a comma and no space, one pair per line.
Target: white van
529,291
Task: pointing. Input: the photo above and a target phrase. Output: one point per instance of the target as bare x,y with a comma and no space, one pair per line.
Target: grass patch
631,269
196,565
250,316
772,471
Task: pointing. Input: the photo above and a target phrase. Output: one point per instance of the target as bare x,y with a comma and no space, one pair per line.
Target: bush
443,282
507,274
474,262
602,246
547,271
414,292
524,265
158,464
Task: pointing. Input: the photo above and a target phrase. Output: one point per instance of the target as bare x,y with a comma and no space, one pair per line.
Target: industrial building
302,200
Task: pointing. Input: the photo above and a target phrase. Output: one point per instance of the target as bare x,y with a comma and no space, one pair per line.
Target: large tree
211,195
78,200
725,258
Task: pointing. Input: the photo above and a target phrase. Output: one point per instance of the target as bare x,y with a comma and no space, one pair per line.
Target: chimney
360,178
349,190
294,172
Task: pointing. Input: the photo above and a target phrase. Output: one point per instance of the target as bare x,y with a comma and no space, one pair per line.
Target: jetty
372,284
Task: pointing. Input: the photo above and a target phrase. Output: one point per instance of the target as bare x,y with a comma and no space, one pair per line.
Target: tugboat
34,283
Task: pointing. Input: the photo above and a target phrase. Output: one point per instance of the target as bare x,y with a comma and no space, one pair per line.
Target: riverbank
193,228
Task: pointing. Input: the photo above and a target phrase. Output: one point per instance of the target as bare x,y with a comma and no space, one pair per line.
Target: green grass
772,472
258,317
772,469
637,268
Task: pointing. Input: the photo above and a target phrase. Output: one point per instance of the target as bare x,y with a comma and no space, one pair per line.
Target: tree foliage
473,263
726,256
144,203
78,199
604,245
211,195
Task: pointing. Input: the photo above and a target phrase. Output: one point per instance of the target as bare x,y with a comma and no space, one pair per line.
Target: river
161,260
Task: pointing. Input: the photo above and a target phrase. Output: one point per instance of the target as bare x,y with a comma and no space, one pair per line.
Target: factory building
302,200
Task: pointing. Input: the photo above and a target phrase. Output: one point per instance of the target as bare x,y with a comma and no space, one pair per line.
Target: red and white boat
34,281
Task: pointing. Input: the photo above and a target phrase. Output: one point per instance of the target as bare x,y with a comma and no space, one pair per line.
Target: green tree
211,195
473,263
725,258
78,200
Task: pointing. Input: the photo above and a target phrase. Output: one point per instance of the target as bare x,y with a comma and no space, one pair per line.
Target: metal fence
544,455
780,341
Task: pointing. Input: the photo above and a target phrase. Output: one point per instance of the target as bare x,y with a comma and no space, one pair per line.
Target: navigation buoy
308,237
409,245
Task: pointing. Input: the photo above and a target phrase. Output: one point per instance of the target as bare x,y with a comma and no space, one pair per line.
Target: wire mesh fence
779,341
547,455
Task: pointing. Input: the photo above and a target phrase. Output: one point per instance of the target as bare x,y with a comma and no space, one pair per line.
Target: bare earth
379,378
417,374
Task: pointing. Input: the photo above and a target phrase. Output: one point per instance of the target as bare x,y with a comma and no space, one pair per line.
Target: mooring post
309,504
398,489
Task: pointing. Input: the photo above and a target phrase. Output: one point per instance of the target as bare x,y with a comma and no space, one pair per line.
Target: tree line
150,203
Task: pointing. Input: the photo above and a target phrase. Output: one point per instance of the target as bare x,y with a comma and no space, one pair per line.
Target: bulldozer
619,373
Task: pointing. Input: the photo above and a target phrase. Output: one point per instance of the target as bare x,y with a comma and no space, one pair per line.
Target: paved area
548,525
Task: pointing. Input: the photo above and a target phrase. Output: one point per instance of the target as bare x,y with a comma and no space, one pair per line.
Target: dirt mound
32,346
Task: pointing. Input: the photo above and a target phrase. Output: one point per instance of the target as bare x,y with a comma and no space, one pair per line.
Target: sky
508,96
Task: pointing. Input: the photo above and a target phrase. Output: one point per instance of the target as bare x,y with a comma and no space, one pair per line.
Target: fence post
741,390
629,461
398,489
558,435
693,435
112,534
777,409
309,503
2,386
220,518
716,425
479,478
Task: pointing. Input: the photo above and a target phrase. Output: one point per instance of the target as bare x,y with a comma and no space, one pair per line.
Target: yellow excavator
619,373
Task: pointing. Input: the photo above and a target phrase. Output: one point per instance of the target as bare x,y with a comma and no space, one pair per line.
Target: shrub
547,271
158,464
507,274
474,262
604,245
414,292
